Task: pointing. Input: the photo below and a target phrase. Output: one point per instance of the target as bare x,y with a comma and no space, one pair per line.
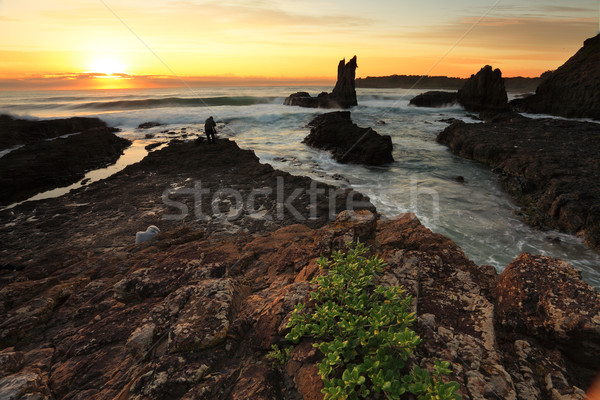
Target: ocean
476,214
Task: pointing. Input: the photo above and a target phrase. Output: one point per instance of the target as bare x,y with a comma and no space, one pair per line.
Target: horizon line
121,80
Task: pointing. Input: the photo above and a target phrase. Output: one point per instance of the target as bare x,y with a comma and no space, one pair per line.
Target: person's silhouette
210,129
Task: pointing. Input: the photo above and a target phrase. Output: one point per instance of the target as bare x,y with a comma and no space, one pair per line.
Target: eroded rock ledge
221,188
47,164
188,316
550,166
14,131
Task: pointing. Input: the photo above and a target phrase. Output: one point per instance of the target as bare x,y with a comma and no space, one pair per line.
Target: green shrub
363,332
277,355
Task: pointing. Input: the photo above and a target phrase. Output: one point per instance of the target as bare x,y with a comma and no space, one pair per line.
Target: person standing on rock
210,129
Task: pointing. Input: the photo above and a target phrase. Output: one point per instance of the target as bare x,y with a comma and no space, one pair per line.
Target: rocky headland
550,166
54,153
347,142
343,94
192,313
573,90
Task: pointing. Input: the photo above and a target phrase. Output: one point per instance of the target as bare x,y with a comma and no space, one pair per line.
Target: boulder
342,96
301,99
434,98
546,298
484,91
573,90
347,142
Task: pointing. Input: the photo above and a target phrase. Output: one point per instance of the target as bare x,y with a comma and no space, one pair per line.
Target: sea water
476,213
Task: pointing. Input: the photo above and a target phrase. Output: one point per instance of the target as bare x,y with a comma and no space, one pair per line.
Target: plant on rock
363,332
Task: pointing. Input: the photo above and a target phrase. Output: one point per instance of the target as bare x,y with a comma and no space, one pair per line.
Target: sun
107,65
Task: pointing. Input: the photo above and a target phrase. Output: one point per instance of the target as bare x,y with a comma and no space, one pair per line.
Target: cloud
531,34
541,9
193,16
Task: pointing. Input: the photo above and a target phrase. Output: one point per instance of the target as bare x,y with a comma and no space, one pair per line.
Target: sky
153,43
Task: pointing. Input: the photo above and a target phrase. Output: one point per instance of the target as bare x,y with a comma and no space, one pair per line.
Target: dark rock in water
573,90
302,99
448,120
460,179
545,298
380,123
339,177
148,125
342,96
347,142
484,91
20,131
148,136
550,166
45,165
153,145
434,98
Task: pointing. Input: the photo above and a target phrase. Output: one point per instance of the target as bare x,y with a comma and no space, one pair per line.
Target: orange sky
58,44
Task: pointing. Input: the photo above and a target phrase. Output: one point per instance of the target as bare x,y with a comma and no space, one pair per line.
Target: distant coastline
514,84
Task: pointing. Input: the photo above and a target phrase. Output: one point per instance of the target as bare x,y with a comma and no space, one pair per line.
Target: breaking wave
177,102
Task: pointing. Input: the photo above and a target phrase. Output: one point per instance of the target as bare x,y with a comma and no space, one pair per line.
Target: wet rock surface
47,164
573,90
342,96
221,188
14,131
191,313
347,142
434,98
192,316
550,166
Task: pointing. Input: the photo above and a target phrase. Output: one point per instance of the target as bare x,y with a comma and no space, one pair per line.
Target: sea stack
573,90
343,94
484,91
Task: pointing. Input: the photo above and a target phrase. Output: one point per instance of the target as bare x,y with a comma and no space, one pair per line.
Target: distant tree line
515,84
